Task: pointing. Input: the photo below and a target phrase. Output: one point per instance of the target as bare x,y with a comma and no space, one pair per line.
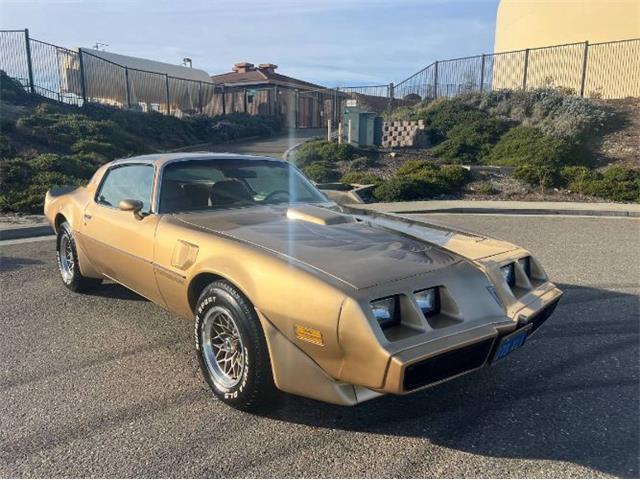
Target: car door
119,242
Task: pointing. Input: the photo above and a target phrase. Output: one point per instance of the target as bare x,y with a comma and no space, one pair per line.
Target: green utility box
366,127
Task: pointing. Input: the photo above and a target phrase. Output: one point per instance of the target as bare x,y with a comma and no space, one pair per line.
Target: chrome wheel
222,347
66,261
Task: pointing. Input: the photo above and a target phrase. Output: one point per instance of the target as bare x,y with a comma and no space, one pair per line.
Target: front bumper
449,357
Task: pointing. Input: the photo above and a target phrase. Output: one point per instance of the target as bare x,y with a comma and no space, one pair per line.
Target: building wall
613,70
538,23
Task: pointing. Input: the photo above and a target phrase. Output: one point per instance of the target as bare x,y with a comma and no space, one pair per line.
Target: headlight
509,274
386,311
428,301
525,263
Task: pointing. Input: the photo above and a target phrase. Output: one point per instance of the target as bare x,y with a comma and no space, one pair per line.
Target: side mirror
129,205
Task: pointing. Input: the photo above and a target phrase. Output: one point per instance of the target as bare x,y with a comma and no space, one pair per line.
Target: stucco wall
538,23
613,70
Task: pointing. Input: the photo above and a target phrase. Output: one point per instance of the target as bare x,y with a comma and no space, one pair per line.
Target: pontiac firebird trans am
289,292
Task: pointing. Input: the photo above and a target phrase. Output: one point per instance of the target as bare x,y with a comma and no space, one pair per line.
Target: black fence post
391,91
296,107
224,101
83,87
244,100
29,64
526,67
126,79
166,77
584,67
435,80
482,73
200,97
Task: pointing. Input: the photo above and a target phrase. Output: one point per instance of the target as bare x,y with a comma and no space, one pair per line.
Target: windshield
233,183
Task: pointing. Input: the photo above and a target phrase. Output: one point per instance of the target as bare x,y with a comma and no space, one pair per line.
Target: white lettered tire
231,348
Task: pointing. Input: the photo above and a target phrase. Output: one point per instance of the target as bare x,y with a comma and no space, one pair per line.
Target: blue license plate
511,342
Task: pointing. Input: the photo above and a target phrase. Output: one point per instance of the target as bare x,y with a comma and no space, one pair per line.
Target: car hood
354,251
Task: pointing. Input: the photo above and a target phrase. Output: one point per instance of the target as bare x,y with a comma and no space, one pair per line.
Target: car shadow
571,394
10,264
116,291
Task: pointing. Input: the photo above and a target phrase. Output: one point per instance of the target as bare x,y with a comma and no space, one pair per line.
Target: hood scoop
319,216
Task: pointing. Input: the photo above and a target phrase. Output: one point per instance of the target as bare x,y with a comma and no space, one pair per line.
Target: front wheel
67,256
232,349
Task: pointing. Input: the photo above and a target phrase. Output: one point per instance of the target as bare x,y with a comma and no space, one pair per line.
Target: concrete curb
15,233
293,148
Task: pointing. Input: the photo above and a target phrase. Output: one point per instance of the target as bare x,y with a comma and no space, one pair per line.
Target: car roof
160,159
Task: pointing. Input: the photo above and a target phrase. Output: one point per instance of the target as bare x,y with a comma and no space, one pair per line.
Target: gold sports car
288,292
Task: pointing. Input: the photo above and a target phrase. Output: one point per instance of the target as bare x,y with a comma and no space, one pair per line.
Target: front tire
68,265
231,348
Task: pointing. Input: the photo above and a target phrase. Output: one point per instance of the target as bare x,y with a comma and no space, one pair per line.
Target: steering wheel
274,193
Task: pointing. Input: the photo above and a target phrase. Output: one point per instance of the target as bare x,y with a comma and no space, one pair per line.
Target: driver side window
133,182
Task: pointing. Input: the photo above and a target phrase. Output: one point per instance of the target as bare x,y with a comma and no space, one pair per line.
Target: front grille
542,316
446,365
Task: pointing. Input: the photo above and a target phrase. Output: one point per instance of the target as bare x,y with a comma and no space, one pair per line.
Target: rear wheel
232,349
68,262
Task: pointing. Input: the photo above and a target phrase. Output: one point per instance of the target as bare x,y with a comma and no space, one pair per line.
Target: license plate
511,342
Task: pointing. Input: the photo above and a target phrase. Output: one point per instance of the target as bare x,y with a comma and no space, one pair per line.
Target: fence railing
602,70
605,70
78,77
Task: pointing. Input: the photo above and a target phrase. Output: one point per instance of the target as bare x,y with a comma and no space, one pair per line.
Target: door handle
87,217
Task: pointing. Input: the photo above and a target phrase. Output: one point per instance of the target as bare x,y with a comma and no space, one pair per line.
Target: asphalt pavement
107,384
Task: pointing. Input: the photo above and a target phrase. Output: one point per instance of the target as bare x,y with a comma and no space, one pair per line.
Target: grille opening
447,365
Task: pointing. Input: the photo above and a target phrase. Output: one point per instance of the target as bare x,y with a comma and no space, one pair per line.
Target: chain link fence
601,70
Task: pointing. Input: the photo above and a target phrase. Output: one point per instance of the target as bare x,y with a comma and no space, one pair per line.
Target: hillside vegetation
45,144
550,138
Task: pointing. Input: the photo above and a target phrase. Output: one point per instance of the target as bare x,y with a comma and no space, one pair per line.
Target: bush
471,142
617,183
523,146
321,172
12,91
361,163
399,189
323,151
361,178
420,180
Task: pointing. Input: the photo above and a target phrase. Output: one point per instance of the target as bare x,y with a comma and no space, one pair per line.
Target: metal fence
600,70
78,77
604,70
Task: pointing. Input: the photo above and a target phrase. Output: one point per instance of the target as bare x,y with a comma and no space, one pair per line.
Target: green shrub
12,91
541,176
443,116
361,178
619,184
420,180
522,146
399,189
6,149
417,169
453,176
107,150
361,163
576,177
486,188
470,142
321,172
323,151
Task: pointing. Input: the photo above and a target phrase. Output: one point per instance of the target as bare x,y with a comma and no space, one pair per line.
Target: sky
329,42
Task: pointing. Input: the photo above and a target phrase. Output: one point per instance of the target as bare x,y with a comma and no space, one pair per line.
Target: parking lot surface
107,384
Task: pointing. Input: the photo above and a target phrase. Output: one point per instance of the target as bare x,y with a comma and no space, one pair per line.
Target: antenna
100,45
